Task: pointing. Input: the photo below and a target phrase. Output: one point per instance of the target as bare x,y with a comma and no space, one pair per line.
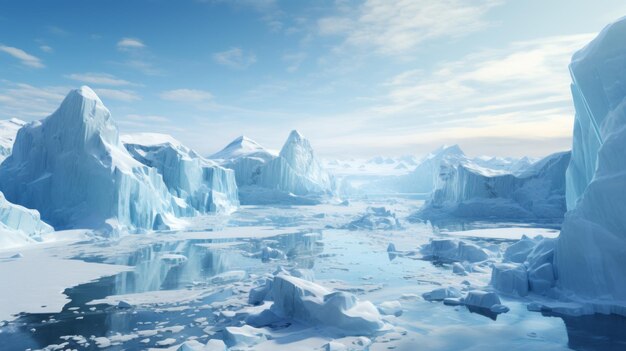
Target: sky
357,78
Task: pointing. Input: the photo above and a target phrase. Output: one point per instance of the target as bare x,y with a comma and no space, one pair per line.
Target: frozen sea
191,285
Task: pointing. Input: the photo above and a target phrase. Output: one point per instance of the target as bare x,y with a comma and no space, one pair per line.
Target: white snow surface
72,168
203,184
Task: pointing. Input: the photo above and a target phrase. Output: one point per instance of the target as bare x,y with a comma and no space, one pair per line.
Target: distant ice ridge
203,184
293,176
465,189
72,168
424,178
590,254
19,225
8,131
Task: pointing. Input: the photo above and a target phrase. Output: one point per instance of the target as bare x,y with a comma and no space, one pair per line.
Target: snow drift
467,190
590,253
203,184
72,168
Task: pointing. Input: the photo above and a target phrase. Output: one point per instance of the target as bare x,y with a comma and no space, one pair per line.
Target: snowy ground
160,290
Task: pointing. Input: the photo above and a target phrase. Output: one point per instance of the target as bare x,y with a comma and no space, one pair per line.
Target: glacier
203,184
72,167
589,257
464,189
294,176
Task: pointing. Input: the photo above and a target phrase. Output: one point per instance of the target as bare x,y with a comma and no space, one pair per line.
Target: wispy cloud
25,58
115,94
398,27
46,48
130,43
235,58
29,102
294,60
98,78
187,96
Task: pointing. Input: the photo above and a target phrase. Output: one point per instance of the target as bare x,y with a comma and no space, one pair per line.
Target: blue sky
358,78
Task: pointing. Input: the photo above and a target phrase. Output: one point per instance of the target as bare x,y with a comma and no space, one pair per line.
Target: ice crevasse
590,256
73,168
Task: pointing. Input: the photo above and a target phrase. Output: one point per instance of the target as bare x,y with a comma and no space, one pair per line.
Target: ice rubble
307,302
453,250
203,184
295,176
8,131
375,218
72,167
590,257
466,190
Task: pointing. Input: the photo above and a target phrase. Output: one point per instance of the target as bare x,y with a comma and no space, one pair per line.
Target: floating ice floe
375,218
309,303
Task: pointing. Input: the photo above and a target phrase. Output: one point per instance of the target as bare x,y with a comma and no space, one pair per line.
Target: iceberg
467,190
294,176
8,131
589,257
203,184
246,157
19,225
72,167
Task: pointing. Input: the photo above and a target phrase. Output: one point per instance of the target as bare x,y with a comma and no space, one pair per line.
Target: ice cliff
467,190
294,176
73,168
590,256
203,184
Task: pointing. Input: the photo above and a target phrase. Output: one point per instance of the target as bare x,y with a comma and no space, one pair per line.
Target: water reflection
596,332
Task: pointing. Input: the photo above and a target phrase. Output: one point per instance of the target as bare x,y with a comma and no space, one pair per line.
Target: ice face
590,258
465,189
203,184
72,168
246,157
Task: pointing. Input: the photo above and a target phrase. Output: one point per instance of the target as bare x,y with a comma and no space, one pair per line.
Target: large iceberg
8,131
73,168
465,189
590,254
294,176
203,184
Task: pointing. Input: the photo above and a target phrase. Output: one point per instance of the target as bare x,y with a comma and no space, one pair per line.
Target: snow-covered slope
203,184
19,225
72,168
467,190
8,131
246,157
295,176
590,254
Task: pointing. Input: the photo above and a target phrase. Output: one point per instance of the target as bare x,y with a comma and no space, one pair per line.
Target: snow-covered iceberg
295,176
467,190
73,168
8,131
246,157
203,184
590,254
